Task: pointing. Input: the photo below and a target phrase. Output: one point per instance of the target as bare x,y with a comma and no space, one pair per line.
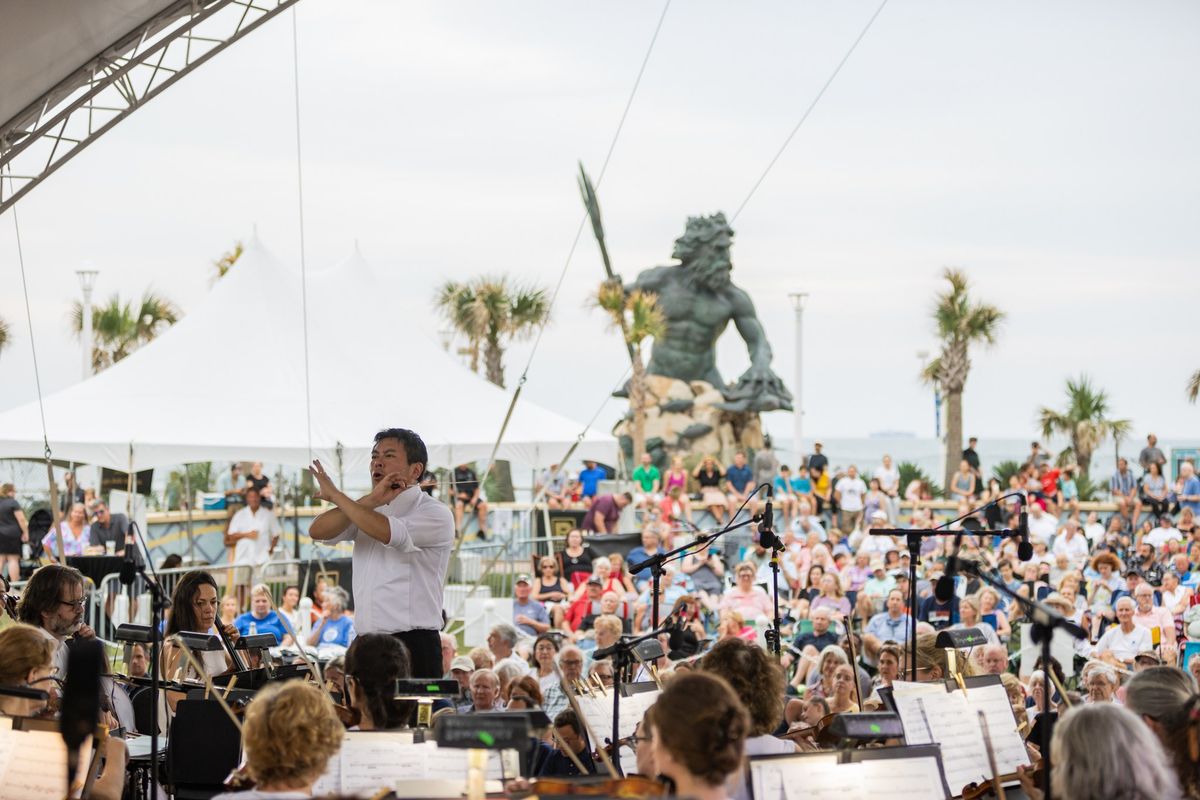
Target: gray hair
508,669
1091,752
508,633
1105,671
484,673
338,596
567,648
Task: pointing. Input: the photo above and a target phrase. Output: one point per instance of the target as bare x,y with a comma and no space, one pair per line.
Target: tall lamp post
798,299
87,281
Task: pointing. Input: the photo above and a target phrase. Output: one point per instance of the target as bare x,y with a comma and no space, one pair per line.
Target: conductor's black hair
414,447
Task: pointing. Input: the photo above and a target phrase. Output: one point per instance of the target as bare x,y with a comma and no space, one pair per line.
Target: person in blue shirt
336,627
589,480
647,548
739,483
262,616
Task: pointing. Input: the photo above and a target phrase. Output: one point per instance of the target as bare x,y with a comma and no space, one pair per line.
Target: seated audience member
1101,682
467,498
502,641
522,693
570,665
608,631
108,527
231,609
449,651
993,659
289,734
732,625
605,512
577,558
1123,641
889,625
1152,617
568,734
1166,700
1091,751
602,671
194,610
759,683
374,662
832,597
290,614
530,616
264,618
650,546
669,593
461,669
26,660
545,651
748,599
335,627
842,700
585,606
610,604
481,657
969,617
698,745
807,646
649,480
485,692
552,590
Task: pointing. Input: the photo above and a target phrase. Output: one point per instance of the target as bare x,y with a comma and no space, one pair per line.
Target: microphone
944,590
81,698
129,565
1024,548
766,528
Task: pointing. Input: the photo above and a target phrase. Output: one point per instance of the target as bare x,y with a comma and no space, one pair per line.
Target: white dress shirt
254,551
398,586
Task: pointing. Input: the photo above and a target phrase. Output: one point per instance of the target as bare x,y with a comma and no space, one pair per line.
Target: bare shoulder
655,277
739,300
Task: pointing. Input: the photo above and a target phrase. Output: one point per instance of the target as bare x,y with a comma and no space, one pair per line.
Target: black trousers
424,652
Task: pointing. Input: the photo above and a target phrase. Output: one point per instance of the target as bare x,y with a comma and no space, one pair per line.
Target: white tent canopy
227,383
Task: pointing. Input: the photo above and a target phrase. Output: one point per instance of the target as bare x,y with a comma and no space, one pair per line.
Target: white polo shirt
398,586
257,550
1125,645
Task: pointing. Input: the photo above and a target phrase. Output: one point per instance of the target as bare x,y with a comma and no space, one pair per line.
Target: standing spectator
108,527
72,493
233,486
467,497
1189,488
889,483
75,534
649,481
589,481
1037,456
253,533
529,615
14,530
817,461
257,480
1151,454
708,476
849,493
970,456
765,464
605,512
738,483
1123,487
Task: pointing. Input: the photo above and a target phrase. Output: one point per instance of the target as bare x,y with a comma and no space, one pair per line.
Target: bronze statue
700,300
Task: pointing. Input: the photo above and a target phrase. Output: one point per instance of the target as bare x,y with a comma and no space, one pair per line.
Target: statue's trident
593,209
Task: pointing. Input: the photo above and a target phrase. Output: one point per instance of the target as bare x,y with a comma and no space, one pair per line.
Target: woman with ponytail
374,662
1166,700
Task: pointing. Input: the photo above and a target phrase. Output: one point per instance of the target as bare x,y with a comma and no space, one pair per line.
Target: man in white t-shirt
1072,543
1121,643
253,533
1041,524
1163,533
849,492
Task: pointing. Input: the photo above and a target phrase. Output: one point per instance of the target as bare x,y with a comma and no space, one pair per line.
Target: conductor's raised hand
326,489
387,489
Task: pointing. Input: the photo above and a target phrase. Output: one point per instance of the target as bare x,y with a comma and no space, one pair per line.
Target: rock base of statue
685,419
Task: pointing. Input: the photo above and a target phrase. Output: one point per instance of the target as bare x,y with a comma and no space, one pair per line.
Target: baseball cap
880,515
595,581
463,663
1148,655
524,579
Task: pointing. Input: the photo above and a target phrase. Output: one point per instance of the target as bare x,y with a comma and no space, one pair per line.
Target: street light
798,299
923,358
87,281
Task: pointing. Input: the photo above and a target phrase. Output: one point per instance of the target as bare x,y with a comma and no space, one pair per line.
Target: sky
1048,150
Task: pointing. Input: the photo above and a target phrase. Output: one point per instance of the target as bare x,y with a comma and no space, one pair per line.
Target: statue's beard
712,275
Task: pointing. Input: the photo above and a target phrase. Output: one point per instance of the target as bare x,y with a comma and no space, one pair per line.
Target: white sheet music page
827,782
35,765
902,779
1007,743
769,775
906,695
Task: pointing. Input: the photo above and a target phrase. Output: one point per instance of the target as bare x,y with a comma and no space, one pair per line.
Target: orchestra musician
402,542
289,734
374,663
569,734
194,610
698,745
53,602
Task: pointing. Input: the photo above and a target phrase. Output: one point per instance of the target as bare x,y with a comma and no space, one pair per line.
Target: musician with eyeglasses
53,602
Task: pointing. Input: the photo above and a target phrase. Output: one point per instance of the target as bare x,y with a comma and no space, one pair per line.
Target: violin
987,791
630,786
819,733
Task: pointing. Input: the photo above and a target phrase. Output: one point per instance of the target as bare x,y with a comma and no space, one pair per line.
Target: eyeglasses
80,603
570,661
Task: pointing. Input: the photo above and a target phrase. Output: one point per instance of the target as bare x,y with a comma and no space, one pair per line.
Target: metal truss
114,84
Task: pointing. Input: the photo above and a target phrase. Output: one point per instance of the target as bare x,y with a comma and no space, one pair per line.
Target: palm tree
491,312
223,264
638,316
4,334
118,328
1193,387
961,322
1085,422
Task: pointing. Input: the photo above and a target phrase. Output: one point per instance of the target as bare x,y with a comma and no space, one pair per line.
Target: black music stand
203,749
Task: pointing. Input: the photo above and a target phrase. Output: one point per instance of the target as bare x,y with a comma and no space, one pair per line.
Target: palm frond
5,336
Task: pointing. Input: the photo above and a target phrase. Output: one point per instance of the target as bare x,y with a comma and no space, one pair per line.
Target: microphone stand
159,602
914,537
1044,621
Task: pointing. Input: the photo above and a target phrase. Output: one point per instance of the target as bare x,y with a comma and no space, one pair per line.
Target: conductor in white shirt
402,542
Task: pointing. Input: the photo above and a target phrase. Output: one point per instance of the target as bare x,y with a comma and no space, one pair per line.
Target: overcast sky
1049,150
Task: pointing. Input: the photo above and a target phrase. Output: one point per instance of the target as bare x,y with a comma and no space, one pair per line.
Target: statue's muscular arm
651,280
749,327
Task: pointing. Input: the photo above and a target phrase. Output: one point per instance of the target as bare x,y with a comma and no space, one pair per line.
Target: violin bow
608,765
997,785
558,740
853,659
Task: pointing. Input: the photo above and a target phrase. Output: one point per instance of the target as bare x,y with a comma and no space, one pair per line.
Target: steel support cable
37,382
808,110
300,210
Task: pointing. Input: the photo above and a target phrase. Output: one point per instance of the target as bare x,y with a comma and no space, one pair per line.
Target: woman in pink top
745,597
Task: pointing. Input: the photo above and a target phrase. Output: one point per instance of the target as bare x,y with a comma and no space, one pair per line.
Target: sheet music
35,764
598,712
902,779
827,782
1007,743
912,716
369,761
769,775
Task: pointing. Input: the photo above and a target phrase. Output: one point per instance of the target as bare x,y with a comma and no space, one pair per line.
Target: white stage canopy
226,383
